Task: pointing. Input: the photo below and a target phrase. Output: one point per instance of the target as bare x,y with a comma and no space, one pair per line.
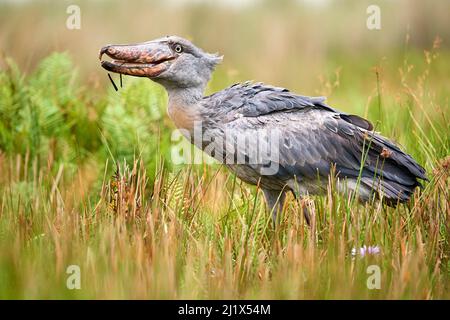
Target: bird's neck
184,106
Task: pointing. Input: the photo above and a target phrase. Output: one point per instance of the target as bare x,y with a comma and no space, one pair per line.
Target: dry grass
190,238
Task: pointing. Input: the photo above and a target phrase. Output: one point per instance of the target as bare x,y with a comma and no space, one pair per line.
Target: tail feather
389,151
390,191
389,172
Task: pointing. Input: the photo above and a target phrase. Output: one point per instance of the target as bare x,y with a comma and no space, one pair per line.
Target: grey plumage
313,137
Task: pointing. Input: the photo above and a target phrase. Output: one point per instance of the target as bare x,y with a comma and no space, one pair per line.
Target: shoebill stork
311,137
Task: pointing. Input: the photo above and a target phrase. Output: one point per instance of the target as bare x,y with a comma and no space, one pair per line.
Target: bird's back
278,138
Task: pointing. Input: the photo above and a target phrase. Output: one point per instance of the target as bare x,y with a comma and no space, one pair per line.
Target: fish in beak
147,59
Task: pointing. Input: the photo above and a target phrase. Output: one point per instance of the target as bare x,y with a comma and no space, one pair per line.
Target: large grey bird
269,136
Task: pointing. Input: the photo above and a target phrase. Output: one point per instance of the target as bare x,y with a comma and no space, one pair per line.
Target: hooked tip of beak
103,51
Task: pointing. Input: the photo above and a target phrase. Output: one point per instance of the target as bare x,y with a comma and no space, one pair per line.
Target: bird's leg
275,201
305,204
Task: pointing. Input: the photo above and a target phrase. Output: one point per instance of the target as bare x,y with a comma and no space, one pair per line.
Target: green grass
86,180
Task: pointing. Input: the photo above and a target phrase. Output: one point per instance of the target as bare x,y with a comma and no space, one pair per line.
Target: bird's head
172,61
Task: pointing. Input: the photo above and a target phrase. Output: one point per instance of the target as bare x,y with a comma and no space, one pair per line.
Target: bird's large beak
147,59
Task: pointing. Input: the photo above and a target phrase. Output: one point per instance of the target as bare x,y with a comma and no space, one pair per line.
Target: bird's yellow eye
178,48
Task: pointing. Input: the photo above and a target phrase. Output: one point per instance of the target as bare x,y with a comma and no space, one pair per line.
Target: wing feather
312,137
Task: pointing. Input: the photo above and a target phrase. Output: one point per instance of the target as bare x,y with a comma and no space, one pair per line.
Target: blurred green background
311,47
288,43
57,99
